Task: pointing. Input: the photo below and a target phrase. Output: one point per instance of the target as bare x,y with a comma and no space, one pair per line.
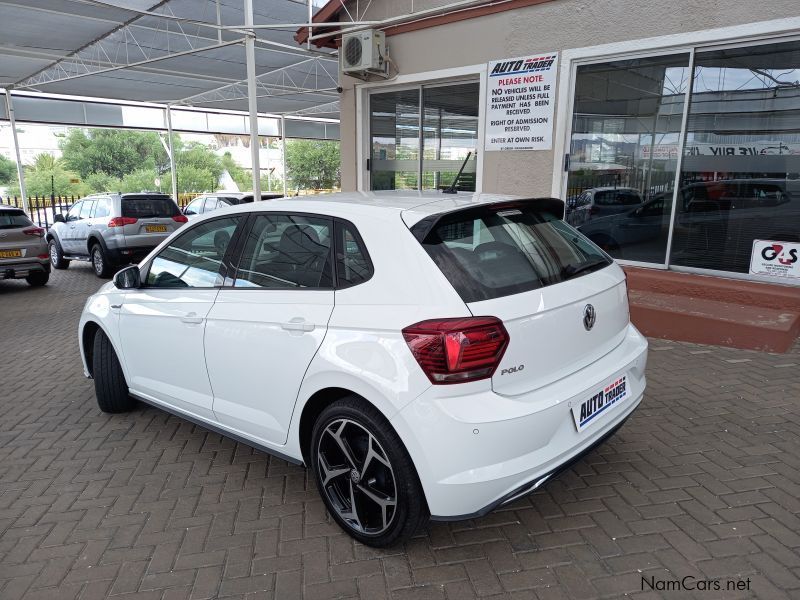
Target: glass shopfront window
440,119
623,153
740,175
739,156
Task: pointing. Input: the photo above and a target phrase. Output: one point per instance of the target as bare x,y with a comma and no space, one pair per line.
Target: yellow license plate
155,228
10,253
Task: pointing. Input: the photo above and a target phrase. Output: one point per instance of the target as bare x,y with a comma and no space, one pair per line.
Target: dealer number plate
605,398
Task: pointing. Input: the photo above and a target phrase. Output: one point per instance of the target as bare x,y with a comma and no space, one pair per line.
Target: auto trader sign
520,103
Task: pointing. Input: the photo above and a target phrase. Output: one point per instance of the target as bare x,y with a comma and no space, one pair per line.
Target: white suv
424,355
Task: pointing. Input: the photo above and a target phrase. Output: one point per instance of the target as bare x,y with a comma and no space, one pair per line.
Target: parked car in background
424,355
601,202
208,202
111,230
23,251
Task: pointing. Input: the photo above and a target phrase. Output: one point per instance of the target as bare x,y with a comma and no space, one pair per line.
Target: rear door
264,330
154,219
67,235
543,279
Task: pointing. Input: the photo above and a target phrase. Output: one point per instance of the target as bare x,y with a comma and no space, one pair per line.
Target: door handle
192,319
298,324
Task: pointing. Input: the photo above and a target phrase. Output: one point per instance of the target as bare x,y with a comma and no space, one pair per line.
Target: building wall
556,25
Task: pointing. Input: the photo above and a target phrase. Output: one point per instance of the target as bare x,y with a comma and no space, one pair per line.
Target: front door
162,324
263,332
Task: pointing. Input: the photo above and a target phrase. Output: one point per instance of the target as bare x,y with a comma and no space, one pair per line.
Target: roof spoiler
552,206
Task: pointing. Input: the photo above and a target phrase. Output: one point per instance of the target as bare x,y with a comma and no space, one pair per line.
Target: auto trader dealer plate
601,402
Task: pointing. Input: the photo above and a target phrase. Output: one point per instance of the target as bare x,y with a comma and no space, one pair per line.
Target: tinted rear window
146,207
490,252
12,219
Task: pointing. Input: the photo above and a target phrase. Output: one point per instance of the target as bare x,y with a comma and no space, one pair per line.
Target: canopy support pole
20,169
283,151
252,97
173,172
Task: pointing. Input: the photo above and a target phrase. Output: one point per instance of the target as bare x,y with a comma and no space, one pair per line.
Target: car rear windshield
148,207
499,250
12,219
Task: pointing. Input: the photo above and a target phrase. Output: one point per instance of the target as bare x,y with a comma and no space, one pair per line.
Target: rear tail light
37,231
122,221
180,219
457,350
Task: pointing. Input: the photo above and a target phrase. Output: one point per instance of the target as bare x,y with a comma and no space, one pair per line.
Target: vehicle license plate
10,253
605,398
155,228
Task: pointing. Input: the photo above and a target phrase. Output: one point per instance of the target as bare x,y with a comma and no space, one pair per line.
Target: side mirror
128,278
59,218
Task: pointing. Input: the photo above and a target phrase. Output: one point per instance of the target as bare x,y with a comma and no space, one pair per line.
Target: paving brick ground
703,481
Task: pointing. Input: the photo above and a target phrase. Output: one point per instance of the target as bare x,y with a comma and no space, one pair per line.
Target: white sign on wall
520,103
777,259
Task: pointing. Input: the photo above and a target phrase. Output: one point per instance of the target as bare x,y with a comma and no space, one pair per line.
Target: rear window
489,252
12,219
148,207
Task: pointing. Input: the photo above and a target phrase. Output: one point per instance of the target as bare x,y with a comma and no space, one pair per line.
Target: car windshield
12,219
494,251
147,207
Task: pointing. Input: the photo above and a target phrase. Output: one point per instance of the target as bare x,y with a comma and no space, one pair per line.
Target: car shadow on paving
703,481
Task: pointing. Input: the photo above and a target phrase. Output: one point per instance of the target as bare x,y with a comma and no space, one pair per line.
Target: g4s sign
777,259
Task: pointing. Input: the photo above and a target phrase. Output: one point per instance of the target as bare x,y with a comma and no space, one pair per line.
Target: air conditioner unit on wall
363,53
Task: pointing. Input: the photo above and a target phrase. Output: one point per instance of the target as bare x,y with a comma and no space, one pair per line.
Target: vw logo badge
589,317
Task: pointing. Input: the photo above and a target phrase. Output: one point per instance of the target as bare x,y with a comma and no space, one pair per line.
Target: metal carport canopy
236,55
172,52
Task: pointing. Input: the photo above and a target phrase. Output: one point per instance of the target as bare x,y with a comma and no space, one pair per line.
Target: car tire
109,380
57,255
38,278
100,262
382,484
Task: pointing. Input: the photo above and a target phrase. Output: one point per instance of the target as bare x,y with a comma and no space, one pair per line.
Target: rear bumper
23,268
474,452
127,255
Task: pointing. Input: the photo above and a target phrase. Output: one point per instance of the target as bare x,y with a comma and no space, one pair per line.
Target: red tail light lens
457,350
37,231
122,221
180,219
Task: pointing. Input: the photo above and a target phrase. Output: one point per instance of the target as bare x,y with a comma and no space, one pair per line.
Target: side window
352,261
102,208
210,204
286,251
605,198
629,198
195,258
87,209
195,207
74,212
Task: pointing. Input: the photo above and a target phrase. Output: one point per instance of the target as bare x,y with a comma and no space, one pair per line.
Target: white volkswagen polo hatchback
424,355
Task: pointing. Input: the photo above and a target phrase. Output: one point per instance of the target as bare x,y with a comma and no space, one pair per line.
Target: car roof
414,205
608,188
8,207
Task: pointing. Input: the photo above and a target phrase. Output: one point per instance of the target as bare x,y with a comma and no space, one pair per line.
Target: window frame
337,224
242,240
226,265
339,227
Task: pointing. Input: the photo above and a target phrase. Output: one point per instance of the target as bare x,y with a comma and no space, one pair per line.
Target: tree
115,152
47,174
8,170
313,164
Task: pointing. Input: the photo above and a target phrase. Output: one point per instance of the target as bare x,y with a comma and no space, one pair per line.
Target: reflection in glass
740,177
394,140
623,153
450,133
194,259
